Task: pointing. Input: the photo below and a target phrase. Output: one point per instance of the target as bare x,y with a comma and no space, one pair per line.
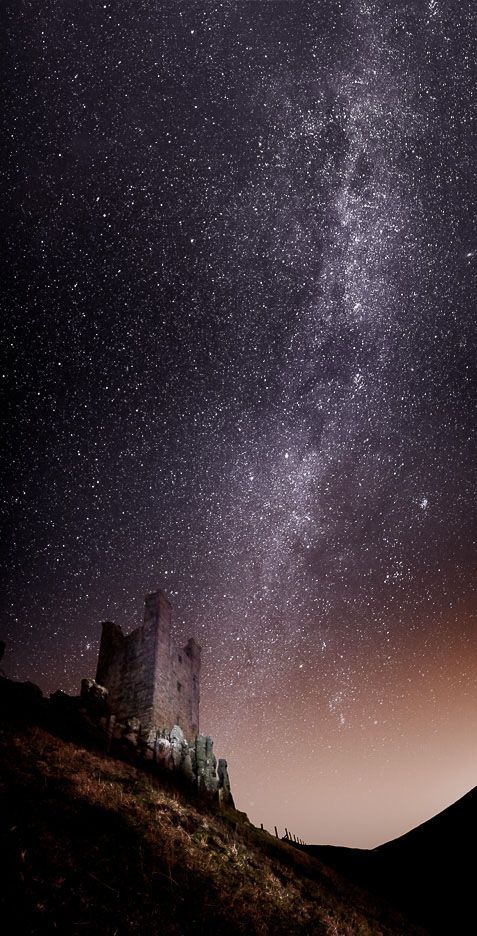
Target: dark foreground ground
94,845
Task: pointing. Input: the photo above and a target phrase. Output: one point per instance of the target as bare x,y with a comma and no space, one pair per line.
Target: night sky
240,365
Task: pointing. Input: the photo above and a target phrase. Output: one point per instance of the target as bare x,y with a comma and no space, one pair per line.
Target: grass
97,846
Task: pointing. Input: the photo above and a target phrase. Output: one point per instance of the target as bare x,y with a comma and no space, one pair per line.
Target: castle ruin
146,696
146,676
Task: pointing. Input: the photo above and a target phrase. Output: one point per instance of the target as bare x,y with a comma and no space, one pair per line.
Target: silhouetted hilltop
426,873
96,845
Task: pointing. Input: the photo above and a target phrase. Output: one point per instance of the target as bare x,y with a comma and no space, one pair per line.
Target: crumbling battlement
146,676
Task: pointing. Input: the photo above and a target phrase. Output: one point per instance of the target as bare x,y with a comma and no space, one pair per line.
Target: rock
172,752
164,754
179,746
111,721
118,730
206,765
94,697
147,741
186,767
225,793
133,727
91,690
193,758
180,753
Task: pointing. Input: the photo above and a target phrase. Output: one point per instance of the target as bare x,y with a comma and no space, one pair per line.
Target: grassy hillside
95,845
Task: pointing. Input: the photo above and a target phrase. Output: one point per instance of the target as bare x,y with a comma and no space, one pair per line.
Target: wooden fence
288,837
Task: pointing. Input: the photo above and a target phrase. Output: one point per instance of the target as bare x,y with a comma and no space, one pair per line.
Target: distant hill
94,845
427,873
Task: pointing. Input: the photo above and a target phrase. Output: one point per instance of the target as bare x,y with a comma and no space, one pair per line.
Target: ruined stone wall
184,687
126,666
146,677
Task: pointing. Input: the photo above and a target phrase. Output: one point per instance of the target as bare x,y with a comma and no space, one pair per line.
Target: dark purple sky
240,365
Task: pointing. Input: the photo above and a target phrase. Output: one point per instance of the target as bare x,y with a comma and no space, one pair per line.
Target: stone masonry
147,677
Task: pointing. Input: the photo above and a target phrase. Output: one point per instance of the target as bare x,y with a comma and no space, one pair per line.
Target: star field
239,364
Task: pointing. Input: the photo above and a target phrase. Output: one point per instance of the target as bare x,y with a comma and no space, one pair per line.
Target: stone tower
146,676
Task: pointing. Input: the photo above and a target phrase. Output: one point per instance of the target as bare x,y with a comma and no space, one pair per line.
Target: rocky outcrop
225,793
192,761
205,765
93,694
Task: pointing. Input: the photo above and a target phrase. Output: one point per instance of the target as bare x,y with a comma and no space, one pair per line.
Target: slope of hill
426,872
95,845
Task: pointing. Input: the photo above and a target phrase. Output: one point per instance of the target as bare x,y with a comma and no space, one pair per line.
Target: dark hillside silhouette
428,873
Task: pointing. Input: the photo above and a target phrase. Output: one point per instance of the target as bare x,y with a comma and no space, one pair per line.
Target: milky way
240,365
